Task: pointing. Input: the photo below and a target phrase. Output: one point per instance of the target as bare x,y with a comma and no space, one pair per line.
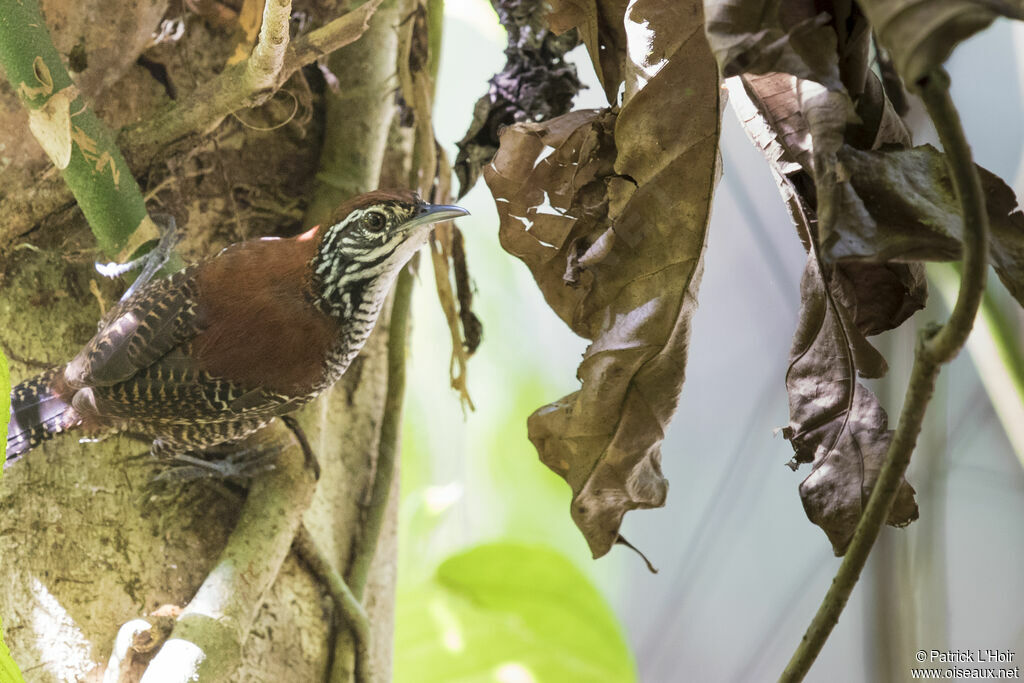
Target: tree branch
247,83
366,545
936,347
204,109
208,636
267,57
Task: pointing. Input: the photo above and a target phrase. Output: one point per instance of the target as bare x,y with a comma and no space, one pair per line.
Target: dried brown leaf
886,294
600,27
836,423
902,207
763,36
430,174
921,34
610,213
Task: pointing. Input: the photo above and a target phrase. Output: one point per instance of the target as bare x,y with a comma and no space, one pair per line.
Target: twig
268,56
935,348
77,142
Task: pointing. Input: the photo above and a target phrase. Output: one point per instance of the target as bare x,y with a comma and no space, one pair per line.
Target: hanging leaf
921,34
836,423
609,211
900,206
763,36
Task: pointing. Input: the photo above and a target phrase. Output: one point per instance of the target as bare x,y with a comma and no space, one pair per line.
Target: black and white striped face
359,256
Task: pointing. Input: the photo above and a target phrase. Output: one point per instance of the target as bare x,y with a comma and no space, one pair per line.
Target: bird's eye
375,221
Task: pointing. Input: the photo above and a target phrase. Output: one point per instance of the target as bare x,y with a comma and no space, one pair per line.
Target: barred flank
37,413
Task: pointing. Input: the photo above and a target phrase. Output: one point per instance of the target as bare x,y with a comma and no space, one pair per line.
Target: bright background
741,568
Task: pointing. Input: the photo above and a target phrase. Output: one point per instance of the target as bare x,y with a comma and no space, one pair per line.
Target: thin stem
366,544
996,351
346,605
935,347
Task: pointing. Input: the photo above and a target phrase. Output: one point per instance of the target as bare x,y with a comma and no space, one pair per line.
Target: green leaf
5,404
508,612
9,672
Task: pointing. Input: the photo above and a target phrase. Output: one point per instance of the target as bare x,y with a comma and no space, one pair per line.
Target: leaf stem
936,347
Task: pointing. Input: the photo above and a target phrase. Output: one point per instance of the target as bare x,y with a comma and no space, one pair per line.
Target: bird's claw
151,262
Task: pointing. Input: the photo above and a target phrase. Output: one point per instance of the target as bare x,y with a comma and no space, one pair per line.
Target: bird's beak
434,213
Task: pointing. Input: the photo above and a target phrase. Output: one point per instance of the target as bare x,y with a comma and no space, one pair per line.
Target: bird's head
366,242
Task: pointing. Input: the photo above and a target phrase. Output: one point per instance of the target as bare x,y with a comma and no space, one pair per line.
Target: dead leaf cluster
609,211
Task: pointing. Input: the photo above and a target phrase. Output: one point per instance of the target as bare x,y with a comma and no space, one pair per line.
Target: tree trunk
84,548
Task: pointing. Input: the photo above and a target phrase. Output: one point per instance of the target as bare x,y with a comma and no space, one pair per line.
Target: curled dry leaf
836,423
536,84
610,211
762,36
901,206
430,174
885,294
921,34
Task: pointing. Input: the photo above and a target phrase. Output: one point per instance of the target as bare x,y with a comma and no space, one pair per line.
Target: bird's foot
150,262
235,464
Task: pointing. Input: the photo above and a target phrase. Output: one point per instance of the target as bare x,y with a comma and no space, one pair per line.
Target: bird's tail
37,413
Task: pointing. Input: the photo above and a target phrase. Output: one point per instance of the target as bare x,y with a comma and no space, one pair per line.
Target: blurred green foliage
510,613
9,672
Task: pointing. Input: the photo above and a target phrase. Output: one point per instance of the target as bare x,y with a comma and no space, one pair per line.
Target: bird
210,354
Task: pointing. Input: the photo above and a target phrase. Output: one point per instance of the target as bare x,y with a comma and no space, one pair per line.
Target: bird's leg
300,436
237,462
150,262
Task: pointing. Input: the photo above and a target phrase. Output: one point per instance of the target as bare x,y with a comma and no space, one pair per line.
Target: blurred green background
495,581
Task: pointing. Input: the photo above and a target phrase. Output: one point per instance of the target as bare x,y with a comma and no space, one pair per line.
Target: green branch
936,347
366,545
77,142
346,604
